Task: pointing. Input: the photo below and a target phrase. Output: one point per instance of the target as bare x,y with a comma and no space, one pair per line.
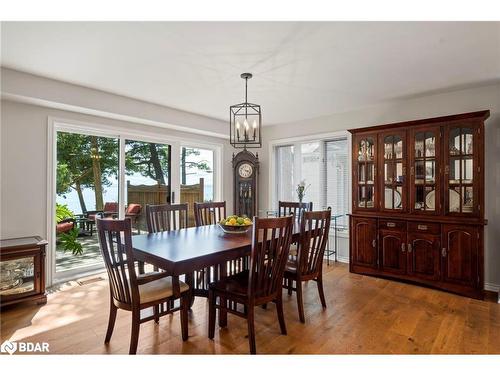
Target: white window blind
285,173
311,171
337,179
324,166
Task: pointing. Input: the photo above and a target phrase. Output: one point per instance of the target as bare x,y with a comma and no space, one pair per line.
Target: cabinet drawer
392,224
431,228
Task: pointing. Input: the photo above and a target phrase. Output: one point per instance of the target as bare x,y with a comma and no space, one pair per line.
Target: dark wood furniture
308,265
246,183
209,213
293,208
261,284
418,202
132,292
183,251
164,217
22,270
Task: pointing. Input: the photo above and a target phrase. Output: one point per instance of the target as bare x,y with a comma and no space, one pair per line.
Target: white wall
431,105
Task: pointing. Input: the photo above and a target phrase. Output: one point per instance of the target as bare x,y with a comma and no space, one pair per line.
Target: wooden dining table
184,251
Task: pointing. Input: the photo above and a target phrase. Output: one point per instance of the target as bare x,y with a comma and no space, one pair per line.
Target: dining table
185,251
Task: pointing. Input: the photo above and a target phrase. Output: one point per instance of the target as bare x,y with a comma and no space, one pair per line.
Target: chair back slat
293,208
166,217
271,240
314,232
115,242
209,213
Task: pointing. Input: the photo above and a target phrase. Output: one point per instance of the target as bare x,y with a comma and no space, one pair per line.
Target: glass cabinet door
393,148
17,276
460,170
424,170
365,171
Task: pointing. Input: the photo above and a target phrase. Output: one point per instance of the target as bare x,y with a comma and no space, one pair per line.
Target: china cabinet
22,270
418,202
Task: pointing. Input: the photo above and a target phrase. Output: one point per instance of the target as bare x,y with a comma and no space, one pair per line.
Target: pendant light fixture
245,122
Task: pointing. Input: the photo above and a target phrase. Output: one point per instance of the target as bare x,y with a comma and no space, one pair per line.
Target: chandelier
245,122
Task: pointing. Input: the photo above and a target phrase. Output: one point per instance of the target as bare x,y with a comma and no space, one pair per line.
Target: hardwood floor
364,315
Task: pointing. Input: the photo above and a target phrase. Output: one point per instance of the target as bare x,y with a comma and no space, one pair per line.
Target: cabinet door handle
391,225
409,248
403,247
443,252
374,243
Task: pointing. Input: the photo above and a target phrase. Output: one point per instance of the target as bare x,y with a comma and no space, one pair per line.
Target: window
337,179
324,167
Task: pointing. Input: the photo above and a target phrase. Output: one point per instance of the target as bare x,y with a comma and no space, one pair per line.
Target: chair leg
320,291
134,337
211,314
290,286
251,330
281,316
223,312
300,302
111,322
156,310
184,316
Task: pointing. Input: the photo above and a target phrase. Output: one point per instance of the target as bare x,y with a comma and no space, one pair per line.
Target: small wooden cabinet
418,202
22,270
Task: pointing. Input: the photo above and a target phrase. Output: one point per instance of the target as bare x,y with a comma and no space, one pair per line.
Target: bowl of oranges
235,224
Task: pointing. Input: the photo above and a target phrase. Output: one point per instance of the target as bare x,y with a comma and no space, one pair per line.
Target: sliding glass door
106,171
100,175
148,179
87,182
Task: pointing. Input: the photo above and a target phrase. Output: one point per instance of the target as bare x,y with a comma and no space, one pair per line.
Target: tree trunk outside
155,160
78,189
96,168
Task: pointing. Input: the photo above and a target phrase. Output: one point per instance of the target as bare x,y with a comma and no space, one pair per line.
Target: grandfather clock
246,182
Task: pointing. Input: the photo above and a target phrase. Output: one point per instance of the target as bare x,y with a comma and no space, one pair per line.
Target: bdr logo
24,347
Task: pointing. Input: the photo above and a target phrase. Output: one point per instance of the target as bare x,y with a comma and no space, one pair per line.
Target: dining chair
293,208
166,217
209,213
296,209
130,291
261,284
314,231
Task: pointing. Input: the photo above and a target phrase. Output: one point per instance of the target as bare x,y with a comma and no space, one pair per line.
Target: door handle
374,243
409,248
444,252
403,247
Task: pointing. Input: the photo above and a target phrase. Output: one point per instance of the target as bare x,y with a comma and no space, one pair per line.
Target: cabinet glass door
366,171
17,276
425,170
394,166
459,172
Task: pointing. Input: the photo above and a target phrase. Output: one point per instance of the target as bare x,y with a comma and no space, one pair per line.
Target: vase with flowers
301,190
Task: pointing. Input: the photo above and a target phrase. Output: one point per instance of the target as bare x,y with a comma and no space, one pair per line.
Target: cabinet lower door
364,242
459,255
392,251
423,256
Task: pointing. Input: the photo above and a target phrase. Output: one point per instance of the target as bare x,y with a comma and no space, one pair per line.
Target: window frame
296,142
56,124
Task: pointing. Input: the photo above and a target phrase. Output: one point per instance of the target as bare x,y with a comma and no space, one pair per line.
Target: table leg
223,302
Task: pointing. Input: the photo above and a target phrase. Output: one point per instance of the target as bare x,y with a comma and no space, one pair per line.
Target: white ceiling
301,69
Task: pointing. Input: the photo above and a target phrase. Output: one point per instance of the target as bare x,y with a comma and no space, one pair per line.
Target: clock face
245,170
